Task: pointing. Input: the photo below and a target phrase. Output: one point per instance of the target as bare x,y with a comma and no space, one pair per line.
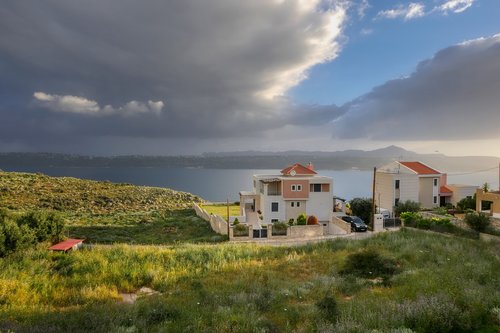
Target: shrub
312,220
301,219
291,222
407,206
328,308
236,221
477,221
240,230
369,263
279,228
46,225
466,203
362,207
410,218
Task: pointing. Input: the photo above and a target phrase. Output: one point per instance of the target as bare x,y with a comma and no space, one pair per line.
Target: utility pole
372,218
227,206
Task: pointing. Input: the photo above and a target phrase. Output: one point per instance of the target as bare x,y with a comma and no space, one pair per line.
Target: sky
113,77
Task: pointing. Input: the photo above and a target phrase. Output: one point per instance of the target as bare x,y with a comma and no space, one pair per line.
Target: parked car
356,223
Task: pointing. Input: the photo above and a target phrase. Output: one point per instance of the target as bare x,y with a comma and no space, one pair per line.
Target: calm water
219,184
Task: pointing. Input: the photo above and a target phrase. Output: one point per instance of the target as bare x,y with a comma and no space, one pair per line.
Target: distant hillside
23,191
337,160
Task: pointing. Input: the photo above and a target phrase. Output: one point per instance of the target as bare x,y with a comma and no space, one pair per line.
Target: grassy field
105,212
437,284
221,210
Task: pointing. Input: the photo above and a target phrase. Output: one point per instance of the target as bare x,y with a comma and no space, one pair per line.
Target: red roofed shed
68,244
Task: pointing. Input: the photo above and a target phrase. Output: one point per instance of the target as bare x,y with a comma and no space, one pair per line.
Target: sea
218,185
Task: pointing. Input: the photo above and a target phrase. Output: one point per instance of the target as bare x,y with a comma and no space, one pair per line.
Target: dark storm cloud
452,96
74,69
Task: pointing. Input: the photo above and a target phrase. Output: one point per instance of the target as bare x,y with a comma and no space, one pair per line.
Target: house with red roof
295,190
400,181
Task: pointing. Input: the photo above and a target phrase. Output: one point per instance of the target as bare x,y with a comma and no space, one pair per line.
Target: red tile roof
66,245
420,168
445,189
299,170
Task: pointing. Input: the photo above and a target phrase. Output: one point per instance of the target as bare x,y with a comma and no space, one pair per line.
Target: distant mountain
336,160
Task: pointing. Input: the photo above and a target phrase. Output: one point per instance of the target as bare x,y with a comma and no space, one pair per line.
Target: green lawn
440,284
221,210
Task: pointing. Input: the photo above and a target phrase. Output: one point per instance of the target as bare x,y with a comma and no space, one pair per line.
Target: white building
400,181
296,190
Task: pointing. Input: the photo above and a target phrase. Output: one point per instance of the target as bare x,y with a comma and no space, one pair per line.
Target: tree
407,206
486,187
467,203
312,220
477,221
362,207
301,219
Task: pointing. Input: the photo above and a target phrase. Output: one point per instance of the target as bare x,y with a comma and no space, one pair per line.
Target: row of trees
19,231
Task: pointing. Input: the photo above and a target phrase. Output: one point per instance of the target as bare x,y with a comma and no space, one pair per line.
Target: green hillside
106,212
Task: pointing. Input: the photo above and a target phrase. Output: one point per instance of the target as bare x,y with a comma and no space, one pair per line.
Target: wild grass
104,212
221,210
442,284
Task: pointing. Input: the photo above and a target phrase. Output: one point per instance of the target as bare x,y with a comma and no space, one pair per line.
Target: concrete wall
294,212
494,197
320,204
305,231
460,192
266,203
341,224
218,224
427,191
289,194
386,192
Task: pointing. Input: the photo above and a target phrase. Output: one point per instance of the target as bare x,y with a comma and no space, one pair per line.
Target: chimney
310,166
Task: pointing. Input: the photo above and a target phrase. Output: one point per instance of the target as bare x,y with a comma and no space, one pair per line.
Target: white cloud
81,105
455,6
362,8
366,32
412,11
67,103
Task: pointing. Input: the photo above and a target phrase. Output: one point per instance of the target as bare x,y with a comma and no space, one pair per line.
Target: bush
328,308
312,220
291,222
301,219
410,218
362,207
279,228
240,230
236,221
467,203
407,206
46,225
369,263
477,221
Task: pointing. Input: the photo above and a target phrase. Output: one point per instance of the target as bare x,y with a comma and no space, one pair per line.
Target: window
435,182
298,203
274,220
396,201
316,187
292,203
294,188
274,206
299,187
435,199
397,184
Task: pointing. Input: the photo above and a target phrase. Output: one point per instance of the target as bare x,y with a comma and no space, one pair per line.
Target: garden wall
218,224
